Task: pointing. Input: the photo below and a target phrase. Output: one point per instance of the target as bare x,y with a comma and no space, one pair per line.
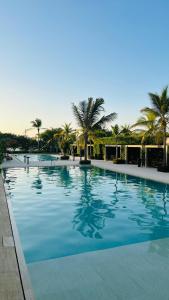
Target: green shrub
163,169
85,162
64,157
119,161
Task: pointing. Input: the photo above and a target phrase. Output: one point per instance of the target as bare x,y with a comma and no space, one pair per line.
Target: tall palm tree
116,131
160,106
88,117
37,123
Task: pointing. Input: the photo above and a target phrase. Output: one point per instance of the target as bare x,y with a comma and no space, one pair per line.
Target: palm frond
96,109
78,115
37,123
105,119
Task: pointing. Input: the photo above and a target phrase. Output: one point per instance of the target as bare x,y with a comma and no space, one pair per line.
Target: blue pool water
62,211
38,157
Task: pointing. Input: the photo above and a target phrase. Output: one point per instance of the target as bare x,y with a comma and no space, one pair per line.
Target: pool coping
22,267
157,176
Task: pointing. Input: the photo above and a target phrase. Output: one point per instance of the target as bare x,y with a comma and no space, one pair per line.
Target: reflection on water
37,182
68,210
91,213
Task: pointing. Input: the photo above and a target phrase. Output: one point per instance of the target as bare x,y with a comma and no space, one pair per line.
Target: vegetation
13,142
160,108
155,119
50,140
37,123
88,117
65,137
150,128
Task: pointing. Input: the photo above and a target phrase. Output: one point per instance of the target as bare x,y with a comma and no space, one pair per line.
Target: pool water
38,157
62,211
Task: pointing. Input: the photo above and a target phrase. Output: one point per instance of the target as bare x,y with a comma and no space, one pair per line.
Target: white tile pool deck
138,271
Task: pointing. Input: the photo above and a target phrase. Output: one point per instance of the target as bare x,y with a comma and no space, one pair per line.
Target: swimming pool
38,157
63,211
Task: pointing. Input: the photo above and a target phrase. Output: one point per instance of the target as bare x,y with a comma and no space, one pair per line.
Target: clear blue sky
55,52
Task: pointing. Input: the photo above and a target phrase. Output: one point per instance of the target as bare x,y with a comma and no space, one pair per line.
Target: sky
55,52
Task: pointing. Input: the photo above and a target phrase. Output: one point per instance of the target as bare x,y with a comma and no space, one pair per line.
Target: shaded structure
133,153
112,152
99,152
95,151
153,155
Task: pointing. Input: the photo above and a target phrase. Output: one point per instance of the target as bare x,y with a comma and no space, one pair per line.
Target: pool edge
22,267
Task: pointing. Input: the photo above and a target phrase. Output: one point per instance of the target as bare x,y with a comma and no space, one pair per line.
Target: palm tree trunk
164,144
85,145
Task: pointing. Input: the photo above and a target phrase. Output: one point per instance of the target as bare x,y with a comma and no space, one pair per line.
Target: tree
147,127
37,123
66,138
116,131
160,107
50,139
126,130
88,117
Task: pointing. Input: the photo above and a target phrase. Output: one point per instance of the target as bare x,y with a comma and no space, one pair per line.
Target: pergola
112,152
133,153
154,155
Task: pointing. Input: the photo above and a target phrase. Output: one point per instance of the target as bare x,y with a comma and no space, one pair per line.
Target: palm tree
66,137
147,126
126,130
50,139
37,123
116,132
87,115
160,107
67,130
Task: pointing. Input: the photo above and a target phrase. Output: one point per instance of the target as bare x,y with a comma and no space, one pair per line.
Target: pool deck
133,272
10,281
147,173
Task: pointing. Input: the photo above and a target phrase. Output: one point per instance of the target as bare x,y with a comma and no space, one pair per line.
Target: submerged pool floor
120,273
62,211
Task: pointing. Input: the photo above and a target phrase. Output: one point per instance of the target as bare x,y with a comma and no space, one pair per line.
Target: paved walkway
10,282
16,163
148,173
